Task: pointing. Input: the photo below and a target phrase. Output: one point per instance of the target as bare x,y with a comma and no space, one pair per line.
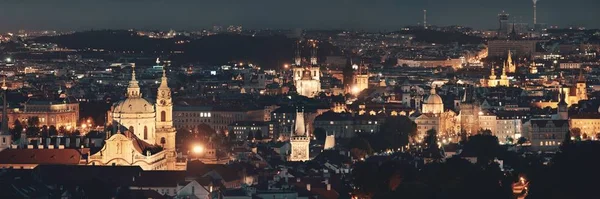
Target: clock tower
299,140
165,132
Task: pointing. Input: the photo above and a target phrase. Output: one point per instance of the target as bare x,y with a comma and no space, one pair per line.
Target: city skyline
375,15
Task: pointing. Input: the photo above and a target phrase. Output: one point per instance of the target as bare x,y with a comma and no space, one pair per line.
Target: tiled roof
40,156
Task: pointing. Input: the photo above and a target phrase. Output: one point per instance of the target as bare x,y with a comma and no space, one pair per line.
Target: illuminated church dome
135,114
434,98
433,103
133,105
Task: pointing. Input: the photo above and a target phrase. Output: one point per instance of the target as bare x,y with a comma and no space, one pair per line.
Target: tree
52,130
566,141
320,134
433,150
509,139
44,131
360,147
485,132
250,136
32,131
484,147
576,132
395,132
521,140
62,130
33,121
258,135
17,129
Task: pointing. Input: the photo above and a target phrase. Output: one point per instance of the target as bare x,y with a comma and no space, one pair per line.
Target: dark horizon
64,15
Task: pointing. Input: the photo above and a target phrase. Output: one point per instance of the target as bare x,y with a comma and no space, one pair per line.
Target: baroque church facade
307,79
433,116
145,135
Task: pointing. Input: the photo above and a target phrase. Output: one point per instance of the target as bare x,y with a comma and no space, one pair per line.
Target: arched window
131,129
163,141
163,116
145,132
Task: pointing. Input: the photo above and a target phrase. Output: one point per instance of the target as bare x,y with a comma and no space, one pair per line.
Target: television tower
425,18
534,12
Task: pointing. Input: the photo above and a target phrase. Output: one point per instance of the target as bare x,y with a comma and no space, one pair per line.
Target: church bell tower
165,132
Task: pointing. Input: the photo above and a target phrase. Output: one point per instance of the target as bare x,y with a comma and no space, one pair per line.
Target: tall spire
163,79
313,55
298,58
299,129
133,90
581,77
4,129
509,58
503,76
432,91
562,95
492,73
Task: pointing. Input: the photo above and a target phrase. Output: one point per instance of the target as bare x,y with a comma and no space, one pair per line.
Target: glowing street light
355,90
198,149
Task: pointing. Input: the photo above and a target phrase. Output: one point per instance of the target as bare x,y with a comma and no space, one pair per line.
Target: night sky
321,14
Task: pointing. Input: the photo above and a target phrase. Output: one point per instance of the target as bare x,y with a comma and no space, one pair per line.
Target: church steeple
6,136
298,58
492,73
563,111
313,55
164,103
581,78
133,90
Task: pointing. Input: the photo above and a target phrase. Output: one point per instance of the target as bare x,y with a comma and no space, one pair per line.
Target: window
163,116
163,141
131,129
145,132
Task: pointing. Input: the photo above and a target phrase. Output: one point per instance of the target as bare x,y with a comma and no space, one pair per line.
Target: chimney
328,187
308,187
